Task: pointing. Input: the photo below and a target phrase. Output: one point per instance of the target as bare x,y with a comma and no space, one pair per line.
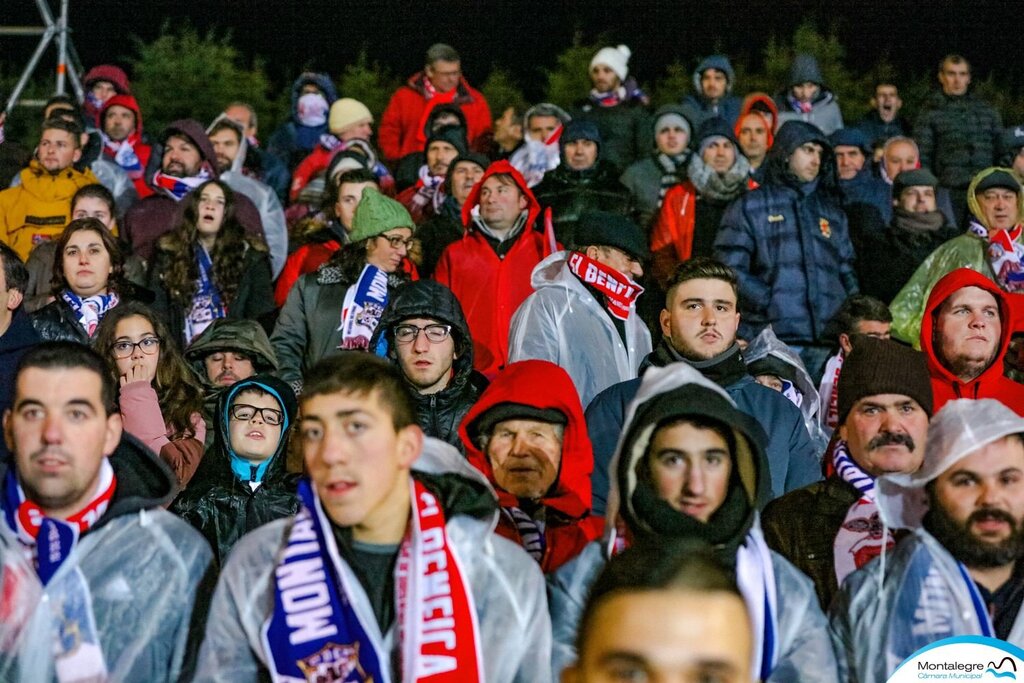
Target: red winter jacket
991,383
401,125
142,150
305,259
672,232
490,288
569,524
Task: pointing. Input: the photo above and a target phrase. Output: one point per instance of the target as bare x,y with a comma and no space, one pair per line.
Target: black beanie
453,135
882,366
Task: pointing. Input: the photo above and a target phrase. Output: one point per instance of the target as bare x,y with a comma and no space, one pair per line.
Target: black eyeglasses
397,242
436,333
245,412
125,348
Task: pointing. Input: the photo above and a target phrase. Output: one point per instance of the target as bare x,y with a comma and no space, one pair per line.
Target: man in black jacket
958,134
426,335
17,335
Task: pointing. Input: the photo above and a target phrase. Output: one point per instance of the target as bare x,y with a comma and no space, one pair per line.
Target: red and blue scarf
176,188
316,631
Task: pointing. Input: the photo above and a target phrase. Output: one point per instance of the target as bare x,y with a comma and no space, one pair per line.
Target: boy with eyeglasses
242,482
424,332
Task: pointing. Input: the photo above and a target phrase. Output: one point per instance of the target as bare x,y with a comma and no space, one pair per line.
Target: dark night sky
526,35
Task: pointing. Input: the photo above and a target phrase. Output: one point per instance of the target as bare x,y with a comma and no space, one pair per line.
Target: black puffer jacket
440,413
626,133
959,135
570,193
217,502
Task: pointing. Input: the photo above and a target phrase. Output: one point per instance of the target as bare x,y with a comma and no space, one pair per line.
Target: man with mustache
82,528
965,333
831,528
228,351
959,571
527,435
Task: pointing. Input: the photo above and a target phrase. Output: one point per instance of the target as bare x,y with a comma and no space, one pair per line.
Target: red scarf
30,516
619,291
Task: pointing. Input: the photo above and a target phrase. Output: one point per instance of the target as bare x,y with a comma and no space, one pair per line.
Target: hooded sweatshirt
569,526
220,501
135,168
823,111
791,643
158,214
102,72
439,413
989,384
699,108
964,251
492,279
292,141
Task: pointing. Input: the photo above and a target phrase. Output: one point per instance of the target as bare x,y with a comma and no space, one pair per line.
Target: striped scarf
531,531
123,154
673,172
862,535
176,188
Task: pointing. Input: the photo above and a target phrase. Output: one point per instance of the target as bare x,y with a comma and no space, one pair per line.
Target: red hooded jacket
401,125
991,383
488,287
570,526
142,150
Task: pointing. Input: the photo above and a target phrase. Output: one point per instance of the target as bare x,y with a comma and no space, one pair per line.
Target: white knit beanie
615,58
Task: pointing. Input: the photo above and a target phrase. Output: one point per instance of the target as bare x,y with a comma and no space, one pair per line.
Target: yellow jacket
38,209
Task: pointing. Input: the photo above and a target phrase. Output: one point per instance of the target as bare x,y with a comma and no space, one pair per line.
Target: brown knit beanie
881,366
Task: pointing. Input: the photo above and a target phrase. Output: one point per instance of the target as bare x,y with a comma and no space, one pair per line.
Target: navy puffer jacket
789,244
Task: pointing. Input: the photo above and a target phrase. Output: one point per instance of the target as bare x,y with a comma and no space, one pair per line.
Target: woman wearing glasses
161,403
340,305
88,282
242,482
208,268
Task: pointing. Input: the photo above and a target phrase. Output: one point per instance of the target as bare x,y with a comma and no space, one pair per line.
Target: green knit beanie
376,214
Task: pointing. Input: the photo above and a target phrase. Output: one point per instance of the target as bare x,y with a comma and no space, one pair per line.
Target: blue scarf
207,305
362,308
91,309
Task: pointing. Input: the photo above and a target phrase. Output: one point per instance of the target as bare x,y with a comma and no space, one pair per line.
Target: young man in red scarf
390,570
99,582
582,315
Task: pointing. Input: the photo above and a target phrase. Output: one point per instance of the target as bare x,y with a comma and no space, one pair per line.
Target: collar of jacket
725,369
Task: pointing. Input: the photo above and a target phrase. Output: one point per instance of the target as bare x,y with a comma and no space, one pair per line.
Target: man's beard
969,367
968,548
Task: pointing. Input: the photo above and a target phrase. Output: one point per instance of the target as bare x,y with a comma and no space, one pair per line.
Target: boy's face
358,461
253,437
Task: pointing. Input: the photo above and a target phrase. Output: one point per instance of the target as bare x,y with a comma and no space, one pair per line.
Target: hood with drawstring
972,199
989,384
793,134
470,208
320,80
194,131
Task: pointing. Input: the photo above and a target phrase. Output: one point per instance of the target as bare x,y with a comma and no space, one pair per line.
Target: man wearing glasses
242,482
427,337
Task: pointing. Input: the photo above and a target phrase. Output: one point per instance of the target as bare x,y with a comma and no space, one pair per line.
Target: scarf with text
862,535
362,308
1005,254
207,304
91,309
429,190
620,293
535,158
828,391
77,651
123,154
316,631
176,188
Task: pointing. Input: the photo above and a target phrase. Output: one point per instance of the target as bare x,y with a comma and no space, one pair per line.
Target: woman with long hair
87,282
339,305
208,268
160,401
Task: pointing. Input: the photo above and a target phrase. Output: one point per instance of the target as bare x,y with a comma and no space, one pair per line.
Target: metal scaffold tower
52,29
